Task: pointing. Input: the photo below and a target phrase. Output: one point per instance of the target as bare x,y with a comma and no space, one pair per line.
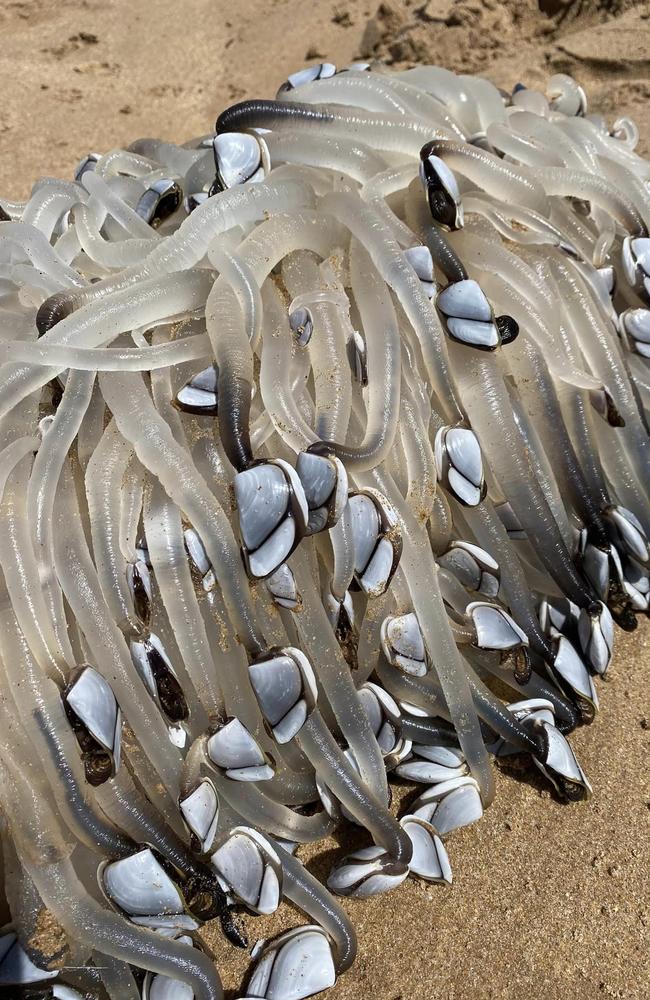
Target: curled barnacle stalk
282,524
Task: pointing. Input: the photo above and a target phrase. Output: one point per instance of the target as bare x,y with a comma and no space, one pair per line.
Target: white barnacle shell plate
403,645
239,158
238,753
377,540
429,859
159,987
325,483
250,866
460,464
199,394
268,520
383,714
93,702
321,71
450,805
420,259
468,314
569,666
200,810
282,587
495,629
596,635
367,872
430,764
285,687
296,965
474,567
140,886
560,764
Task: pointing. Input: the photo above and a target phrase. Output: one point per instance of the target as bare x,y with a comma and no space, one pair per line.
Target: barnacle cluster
318,435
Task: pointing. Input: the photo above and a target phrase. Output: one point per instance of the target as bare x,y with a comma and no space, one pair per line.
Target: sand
549,901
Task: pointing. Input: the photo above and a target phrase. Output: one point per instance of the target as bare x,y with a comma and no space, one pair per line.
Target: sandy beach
549,901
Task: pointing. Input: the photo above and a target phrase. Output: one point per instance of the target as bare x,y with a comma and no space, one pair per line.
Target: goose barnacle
199,558
285,686
140,581
420,259
635,255
369,871
442,192
282,587
200,811
157,673
429,860
199,394
297,964
636,324
320,71
140,886
560,764
301,322
325,483
429,764
233,749
377,541
450,805
403,645
473,566
460,464
16,967
273,514
495,628
386,721
251,868
93,712
239,158
159,201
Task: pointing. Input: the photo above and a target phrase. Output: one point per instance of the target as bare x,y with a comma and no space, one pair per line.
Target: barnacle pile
324,458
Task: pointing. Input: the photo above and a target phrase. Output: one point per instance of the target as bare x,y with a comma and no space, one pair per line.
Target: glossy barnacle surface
324,469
